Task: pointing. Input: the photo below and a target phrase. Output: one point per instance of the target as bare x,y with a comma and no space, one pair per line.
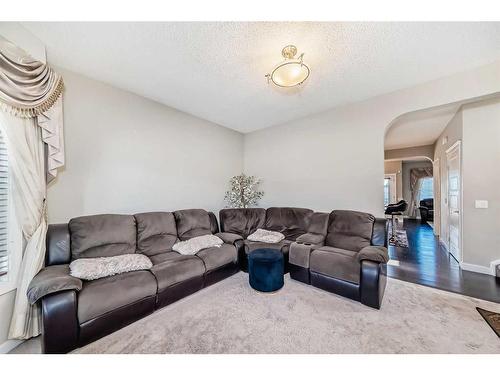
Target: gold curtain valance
32,89
28,87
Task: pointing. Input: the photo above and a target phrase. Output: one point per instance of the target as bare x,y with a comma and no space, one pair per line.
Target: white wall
335,159
396,167
128,154
481,180
410,152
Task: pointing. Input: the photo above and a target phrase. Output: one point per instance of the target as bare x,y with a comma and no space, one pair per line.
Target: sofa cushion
156,232
338,263
311,238
172,268
216,257
230,238
102,236
163,257
101,296
242,221
192,223
252,245
292,222
349,230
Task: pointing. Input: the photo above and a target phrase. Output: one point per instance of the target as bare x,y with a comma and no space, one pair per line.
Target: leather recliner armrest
378,254
229,238
311,238
52,279
299,254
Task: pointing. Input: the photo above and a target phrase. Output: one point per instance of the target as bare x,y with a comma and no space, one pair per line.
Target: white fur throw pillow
195,244
268,236
97,268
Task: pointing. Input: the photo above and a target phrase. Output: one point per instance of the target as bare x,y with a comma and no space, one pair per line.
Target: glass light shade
290,73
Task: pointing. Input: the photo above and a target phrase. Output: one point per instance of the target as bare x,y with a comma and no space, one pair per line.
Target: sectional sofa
343,252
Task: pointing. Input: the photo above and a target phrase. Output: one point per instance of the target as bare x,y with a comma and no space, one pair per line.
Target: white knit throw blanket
268,236
195,244
97,268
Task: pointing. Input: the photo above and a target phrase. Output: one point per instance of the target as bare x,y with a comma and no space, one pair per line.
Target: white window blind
4,192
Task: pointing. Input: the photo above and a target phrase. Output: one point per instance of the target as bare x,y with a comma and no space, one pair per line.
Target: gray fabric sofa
348,258
343,252
290,221
76,312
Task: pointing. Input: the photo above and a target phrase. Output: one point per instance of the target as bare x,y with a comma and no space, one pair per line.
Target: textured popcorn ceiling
216,70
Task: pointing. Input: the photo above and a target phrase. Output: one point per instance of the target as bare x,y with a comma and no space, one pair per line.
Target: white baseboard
493,266
8,345
479,269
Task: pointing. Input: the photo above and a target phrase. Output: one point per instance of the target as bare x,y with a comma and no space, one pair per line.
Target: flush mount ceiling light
290,72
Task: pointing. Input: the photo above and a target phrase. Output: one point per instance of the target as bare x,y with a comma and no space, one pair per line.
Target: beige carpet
230,317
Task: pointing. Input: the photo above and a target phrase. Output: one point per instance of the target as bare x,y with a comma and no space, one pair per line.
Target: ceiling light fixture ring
290,72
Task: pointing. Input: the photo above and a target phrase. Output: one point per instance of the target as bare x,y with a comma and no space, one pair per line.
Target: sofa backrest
350,230
290,221
193,223
318,223
102,236
214,225
380,229
428,202
242,221
156,232
148,233
57,243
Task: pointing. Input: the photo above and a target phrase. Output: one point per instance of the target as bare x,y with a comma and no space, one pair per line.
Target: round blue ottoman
266,270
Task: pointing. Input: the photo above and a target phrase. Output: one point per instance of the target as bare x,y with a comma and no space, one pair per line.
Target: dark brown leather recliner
348,257
290,221
76,312
426,210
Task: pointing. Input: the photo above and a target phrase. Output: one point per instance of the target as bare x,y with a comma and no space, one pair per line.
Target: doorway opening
422,166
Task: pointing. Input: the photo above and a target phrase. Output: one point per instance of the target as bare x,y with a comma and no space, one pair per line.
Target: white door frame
393,187
457,144
436,175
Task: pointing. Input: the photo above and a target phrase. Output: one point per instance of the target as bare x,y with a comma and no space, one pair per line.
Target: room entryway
426,261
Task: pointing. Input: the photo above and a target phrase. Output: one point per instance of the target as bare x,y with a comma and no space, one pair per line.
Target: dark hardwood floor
427,262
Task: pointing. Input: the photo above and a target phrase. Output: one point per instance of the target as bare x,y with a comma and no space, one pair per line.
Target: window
427,188
4,210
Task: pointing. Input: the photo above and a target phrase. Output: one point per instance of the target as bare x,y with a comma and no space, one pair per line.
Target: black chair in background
395,209
426,210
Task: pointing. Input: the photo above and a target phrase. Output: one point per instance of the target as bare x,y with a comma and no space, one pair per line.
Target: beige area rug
230,317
